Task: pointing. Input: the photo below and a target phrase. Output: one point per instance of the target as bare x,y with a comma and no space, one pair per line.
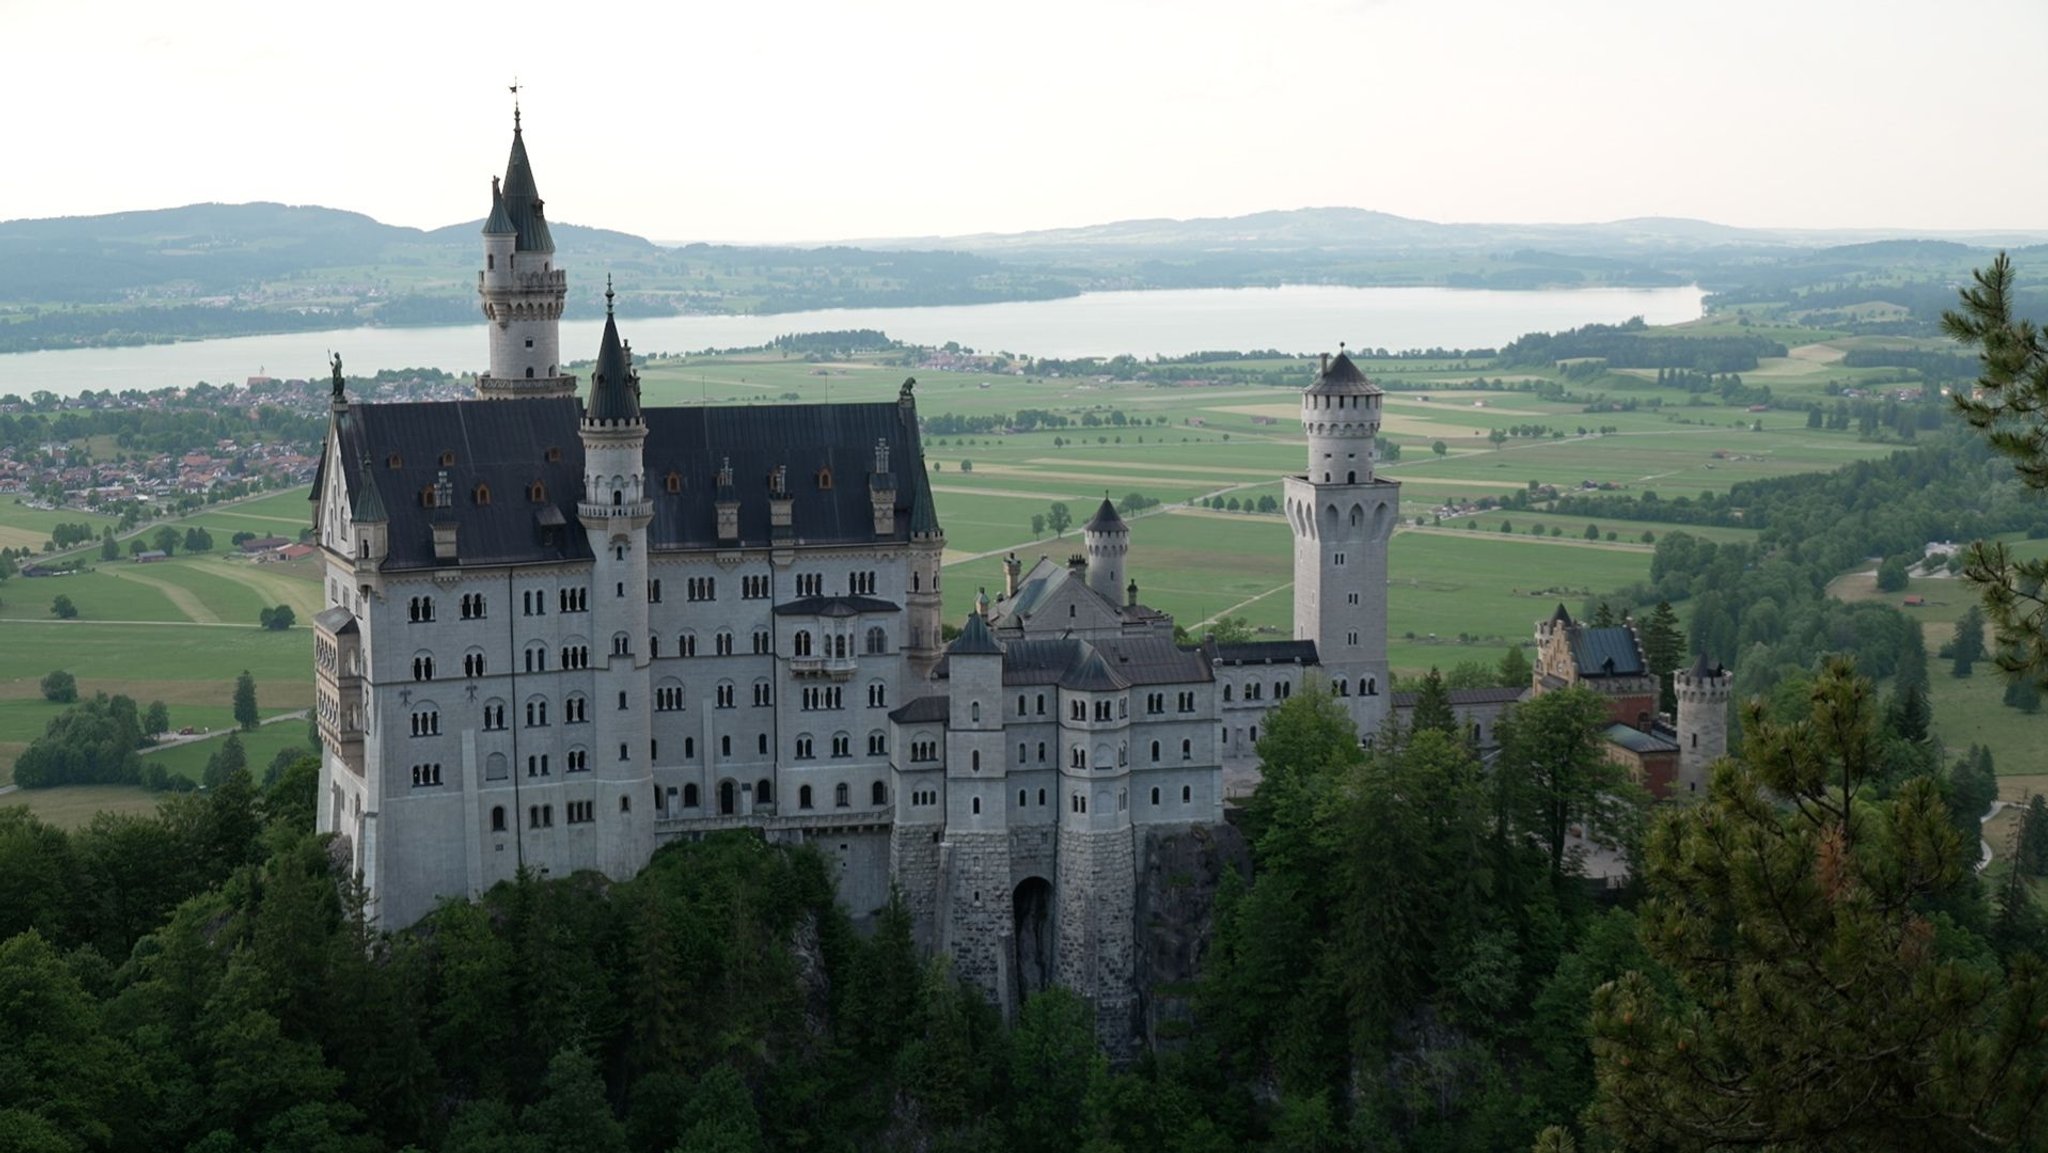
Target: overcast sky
759,120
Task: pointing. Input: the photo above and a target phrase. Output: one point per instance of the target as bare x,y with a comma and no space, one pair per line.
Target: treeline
1029,420
1633,344
838,342
97,742
173,429
1933,366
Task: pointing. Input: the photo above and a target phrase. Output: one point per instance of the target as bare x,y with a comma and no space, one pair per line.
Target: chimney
1131,594
779,500
1013,571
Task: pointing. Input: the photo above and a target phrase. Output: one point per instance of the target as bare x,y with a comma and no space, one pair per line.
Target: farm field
74,806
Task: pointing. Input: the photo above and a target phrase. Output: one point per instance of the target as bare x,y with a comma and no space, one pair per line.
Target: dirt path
1194,629
181,598
303,596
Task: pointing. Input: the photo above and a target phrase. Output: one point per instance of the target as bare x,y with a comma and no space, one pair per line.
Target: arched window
764,792
1155,752
497,818
977,806
1187,794
1187,750
880,793
690,796
803,797
877,641
1155,794
728,798
842,796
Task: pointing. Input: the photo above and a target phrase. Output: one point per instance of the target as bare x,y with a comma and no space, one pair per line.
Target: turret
521,289
1106,539
1702,721
1340,412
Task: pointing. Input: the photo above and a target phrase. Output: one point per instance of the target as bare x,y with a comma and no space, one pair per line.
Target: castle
562,628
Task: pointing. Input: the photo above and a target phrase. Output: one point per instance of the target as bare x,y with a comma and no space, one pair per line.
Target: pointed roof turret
614,386
1106,519
500,221
366,505
521,198
1560,616
1340,377
1703,668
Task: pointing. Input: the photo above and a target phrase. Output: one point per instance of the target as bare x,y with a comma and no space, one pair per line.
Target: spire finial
607,295
516,86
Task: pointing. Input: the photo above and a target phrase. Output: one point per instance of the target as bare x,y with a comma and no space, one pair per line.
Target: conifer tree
1811,1004
2032,855
1664,649
245,700
1515,670
1433,707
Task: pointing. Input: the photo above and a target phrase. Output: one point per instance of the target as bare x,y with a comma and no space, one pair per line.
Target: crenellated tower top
1341,414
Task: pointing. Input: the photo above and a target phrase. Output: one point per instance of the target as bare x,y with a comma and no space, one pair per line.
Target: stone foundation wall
1096,915
914,865
975,905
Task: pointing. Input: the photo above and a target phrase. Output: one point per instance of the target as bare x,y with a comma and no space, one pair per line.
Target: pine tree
1664,648
1809,1005
2031,857
245,701
1968,647
1515,670
1433,707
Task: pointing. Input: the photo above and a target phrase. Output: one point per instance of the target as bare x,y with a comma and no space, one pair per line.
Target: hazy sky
759,120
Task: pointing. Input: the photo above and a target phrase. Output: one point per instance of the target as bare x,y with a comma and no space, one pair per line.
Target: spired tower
1703,693
522,290
1106,539
1342,518
615,511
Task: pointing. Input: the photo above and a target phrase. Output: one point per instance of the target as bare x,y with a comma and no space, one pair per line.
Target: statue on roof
909,386
334,358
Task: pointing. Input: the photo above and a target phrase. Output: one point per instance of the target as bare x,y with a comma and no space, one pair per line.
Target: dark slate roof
614,386
821,443
1106,519
974,640
1560,615
499,443
847,606
1262,652
504,444
1704,668
1342,378
1033,592
1638,741
1155,660
922,711
1039,662
1406,700
1609,652
522,199
1093,675
336,620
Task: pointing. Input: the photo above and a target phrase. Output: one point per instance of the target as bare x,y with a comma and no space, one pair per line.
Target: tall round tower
1703,694
615,511
1342,517
521,288
1106,539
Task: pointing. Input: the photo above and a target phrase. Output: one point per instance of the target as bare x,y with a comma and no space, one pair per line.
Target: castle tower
975,909
615,511
1342,518
1106,539
922,606
1703,693
1096,853
522,290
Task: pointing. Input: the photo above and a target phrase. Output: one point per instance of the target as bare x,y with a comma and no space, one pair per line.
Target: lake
1166,322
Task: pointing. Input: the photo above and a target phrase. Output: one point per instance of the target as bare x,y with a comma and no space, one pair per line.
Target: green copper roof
500,222
614,386
522,200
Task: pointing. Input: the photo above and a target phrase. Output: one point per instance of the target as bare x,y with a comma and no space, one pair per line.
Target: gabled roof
366,504
1638,741
1342,378
522,199
1106,519
336,620
1093,675
1608,652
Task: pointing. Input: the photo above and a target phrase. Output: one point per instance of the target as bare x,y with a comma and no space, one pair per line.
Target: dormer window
675,481
483,494
537,492
554,455
427,497
447,459
825,478
395,461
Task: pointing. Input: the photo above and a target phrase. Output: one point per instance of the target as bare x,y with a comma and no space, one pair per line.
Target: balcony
835,668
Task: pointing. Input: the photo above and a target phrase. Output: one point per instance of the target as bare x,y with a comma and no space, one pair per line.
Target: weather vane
515,101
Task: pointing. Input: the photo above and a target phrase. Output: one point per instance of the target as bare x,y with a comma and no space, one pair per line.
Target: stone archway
1033,940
